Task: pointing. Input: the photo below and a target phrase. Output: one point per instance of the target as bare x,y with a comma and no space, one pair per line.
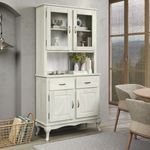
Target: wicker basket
11,134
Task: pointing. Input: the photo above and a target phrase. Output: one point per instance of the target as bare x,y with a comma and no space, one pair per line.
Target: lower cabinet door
87,102
62,105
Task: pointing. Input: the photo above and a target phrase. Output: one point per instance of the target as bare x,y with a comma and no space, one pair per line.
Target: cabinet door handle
78,104
87,82
62,84
72,104
69,29
75,29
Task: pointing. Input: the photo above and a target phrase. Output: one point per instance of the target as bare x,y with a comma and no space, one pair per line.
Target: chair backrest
139,110
126,90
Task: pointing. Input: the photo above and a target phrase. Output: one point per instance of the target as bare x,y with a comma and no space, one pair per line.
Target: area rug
100,141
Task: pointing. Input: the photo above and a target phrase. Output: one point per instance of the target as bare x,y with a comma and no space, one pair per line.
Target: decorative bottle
88,64
76,67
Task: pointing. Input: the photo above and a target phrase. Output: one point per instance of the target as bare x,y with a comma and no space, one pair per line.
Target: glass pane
117,52
136,16
117,78
117,18
117,64
59,20
136,59
59,32
84,22
84,39
84,30
59,38
148,65
149,15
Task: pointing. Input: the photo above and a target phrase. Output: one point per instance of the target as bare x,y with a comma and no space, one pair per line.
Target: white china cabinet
62,97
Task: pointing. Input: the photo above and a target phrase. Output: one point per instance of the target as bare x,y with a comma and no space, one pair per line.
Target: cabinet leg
98,125
37,129
47,131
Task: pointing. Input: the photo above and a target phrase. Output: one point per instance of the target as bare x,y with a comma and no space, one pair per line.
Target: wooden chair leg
129,140
117,117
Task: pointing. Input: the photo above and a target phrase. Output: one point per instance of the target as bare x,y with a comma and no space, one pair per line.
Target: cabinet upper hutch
70,29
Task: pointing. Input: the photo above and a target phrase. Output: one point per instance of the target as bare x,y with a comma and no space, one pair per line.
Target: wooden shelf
67,51
79,30
59,29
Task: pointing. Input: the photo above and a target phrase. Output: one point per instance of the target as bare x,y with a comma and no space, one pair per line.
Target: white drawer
61,83
85,82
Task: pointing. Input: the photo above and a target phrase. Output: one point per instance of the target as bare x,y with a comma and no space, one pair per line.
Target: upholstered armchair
140,119
124,91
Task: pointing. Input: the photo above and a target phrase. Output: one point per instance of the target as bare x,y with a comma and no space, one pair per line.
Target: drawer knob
78,104
72,104
87,82
63,84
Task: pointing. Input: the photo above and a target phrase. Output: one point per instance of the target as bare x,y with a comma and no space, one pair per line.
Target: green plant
83,57
78,57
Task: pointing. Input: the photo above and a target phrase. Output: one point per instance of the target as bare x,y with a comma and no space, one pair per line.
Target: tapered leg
98,124
47,131
37,129
129,140
117,117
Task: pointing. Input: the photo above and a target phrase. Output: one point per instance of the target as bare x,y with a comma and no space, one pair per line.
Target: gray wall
8,67
25,80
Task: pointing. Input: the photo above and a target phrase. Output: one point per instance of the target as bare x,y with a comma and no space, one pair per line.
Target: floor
72,132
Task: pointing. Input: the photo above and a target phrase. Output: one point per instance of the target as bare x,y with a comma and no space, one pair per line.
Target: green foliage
78,57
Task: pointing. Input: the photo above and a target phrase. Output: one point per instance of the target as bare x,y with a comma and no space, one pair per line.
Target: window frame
126,35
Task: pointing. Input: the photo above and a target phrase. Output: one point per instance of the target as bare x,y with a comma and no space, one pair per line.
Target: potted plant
78,58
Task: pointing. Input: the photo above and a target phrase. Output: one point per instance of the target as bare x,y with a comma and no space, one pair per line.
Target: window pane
59,33
136,59
117,64
136,16
117,52
149,15
147,71
117,18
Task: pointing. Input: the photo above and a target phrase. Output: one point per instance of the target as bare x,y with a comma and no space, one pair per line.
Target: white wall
103,55
26,46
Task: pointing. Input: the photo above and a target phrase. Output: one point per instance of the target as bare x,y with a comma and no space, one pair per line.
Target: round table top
143,92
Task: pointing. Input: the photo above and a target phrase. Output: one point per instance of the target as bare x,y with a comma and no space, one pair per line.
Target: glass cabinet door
84,30
59,28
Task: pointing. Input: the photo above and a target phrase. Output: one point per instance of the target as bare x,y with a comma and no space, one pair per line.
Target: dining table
143,94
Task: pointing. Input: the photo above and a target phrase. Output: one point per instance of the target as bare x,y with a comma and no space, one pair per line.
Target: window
129,43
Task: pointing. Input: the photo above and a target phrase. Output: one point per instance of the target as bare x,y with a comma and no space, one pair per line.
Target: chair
124,91
140,119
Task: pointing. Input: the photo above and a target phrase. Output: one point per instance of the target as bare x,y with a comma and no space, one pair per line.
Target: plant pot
76,67
83,67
